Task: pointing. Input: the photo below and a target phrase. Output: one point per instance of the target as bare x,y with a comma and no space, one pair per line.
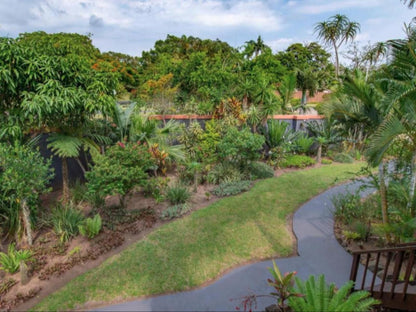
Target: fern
321,297
91,226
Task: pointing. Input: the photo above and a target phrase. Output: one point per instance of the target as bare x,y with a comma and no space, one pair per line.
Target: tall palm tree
336,31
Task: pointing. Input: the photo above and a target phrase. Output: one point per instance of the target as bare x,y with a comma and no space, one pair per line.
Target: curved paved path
319,253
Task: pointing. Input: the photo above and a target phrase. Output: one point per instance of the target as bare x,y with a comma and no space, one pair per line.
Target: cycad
318,296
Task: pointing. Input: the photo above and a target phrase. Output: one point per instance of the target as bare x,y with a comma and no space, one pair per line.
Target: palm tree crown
336,31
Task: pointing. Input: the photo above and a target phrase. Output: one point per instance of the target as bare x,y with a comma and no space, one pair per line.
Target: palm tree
286,88
373,54
400,123
336,31
360,106
67,143
255,47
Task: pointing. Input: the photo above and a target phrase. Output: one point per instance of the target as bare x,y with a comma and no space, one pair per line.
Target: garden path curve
318,253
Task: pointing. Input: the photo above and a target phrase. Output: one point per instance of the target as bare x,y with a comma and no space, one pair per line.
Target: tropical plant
283,285
11,261
175,211
297,161
24,176
260,170
240,147
119,170
66,220
231,188
225,172
90,227
343,158
318,296
277,133
177,194
303,143
286,88
336,31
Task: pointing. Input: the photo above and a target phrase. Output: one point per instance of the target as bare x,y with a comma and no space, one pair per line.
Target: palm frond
382,139
64,145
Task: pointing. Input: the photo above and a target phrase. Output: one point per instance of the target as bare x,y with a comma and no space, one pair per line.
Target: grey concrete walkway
319,253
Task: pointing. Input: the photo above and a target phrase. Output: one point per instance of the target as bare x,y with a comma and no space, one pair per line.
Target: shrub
90,227
231,188
155,187
240,147
175,211
24,176
303,143
177,194
326,161
318,296
276,135
297,161
225,172
348,207
259,170
10,262
78,192
350,235
66,221
343,158
119,170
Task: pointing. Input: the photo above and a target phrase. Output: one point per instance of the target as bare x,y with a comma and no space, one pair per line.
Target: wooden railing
393,275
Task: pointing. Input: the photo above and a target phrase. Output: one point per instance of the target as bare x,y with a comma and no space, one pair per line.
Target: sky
133,26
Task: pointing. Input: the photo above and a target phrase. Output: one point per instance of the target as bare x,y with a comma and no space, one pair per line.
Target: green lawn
190,251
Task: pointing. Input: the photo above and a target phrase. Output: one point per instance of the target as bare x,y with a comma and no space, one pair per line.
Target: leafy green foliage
318,296
24,176
10,262
119,170
260,170
231,188
297,161
303,143
283,285
240,147
175,211
326,161
276,134
343,158
177,194
349,208
225,172
66,221
155,187
90,227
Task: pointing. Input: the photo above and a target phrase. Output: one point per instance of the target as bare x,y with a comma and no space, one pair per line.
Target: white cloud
280,44
321,6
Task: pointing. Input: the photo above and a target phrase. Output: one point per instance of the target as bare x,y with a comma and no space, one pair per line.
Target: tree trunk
195,181
383,195
319,154
304,99
336,61
245,101
412,186
65,180
26,222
